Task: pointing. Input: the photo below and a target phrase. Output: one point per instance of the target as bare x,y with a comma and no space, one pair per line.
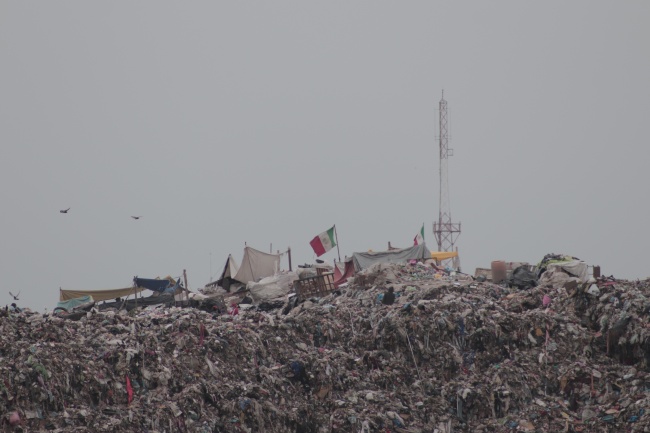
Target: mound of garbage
450,354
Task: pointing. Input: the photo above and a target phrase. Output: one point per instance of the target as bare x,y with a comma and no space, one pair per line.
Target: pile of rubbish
450,354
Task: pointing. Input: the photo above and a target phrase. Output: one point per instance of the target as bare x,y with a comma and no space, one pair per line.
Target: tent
365,260
227,276
256,265
343,271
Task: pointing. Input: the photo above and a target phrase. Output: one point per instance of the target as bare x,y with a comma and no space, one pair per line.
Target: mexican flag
419,238
323,242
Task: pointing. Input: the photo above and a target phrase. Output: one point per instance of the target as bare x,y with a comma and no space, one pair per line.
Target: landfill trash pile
449,355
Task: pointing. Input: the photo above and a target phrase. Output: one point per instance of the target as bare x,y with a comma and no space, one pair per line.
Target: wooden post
289,254
187,287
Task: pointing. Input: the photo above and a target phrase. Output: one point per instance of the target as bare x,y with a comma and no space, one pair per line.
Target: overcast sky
268,122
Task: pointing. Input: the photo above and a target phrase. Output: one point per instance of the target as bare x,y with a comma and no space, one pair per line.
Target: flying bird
64,210
136,217
15,296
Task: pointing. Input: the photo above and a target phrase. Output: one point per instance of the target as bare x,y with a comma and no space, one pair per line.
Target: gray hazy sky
267,122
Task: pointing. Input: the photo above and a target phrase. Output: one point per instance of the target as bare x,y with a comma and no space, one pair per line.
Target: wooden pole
289,254
336,235
187,288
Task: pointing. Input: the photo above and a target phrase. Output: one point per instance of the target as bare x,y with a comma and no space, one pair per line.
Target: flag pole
336,235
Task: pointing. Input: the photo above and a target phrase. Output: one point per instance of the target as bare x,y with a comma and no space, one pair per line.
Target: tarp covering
561,272
272,287
365,260
153,285
98,295
343,271
173,288
443,255
575,268
256,265
229,271
522,278
83,301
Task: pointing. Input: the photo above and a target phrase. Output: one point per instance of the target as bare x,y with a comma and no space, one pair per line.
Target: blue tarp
172,289
154,285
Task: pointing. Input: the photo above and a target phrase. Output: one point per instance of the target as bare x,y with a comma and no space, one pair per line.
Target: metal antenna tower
445,231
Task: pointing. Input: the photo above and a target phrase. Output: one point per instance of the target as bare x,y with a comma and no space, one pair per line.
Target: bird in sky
15,296
136,217
64,210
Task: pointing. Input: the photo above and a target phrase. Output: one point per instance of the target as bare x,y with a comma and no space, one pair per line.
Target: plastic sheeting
575,268
522,278
83,301
365,260
153,285
272,287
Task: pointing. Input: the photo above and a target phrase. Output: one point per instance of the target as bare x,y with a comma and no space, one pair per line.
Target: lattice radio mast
444,230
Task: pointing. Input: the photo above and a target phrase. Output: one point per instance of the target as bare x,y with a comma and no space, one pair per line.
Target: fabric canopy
98,295
365,260
343,271
256,265
153,285
443,255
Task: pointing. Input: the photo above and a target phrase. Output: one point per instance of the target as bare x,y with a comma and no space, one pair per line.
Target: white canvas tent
229,271
256,265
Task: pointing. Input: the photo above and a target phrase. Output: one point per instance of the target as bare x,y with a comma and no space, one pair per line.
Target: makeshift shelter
555,267
155,285
343,271
272,287
99,295
256,265
229,271
365,260
76,303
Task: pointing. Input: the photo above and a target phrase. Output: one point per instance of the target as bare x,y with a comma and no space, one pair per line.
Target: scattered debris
450,354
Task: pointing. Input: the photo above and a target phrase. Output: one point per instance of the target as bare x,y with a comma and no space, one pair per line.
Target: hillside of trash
452,353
